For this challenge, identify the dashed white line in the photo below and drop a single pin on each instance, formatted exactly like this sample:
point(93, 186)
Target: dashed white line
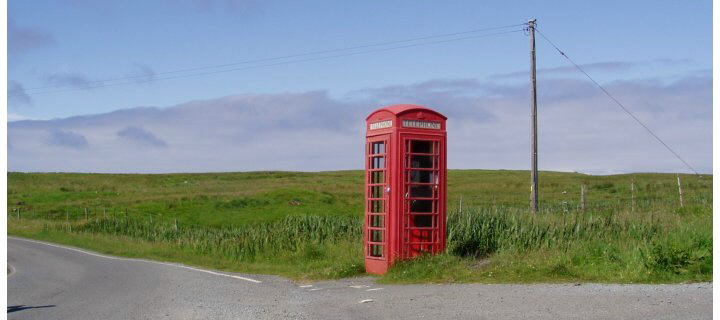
point(306, 286)
point(141, 260)
point(374, 289)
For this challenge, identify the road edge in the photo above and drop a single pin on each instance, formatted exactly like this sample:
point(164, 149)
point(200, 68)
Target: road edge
point(172, 264)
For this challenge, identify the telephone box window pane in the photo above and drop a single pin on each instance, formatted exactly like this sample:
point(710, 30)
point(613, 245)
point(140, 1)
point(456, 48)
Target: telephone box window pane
point(421, 161)
point(378, 147)
point(421, 206)
point(376, 236)
point(378, 162)
point(421, 191)
point(377, 177)
point(376, 192)
point(376, 250)
point(421, 176)
point(377, 206)
point(423, 221)
point(377, 221)
point(419, 146)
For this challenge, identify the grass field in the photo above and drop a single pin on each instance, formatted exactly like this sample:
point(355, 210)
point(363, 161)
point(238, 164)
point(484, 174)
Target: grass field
point(308, 225)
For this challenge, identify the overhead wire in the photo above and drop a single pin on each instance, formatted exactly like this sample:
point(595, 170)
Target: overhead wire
point(145, 78)
point(276, 63)
point(562, 53)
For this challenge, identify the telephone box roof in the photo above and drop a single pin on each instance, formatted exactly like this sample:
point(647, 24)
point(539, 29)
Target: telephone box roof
point(399, 109)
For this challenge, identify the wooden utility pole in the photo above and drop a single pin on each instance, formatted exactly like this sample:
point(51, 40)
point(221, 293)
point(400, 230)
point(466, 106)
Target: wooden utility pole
point(582, 198)
point(533, 107)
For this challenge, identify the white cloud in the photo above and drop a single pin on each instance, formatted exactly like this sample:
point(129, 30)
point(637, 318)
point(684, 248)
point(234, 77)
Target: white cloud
point(141, 136)
point(16, 117)
point(580, 129)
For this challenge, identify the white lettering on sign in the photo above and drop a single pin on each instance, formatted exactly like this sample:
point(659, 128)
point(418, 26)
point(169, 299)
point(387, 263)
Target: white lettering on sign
point(421, 124)
point(381, 125)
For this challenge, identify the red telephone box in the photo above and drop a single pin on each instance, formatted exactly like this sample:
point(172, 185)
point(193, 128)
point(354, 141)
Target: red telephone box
point(405, 185)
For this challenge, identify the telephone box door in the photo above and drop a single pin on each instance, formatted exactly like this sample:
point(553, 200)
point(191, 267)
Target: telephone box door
point(423, 223)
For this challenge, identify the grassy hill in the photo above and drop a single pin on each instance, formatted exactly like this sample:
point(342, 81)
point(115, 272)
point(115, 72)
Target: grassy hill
point(307, 225)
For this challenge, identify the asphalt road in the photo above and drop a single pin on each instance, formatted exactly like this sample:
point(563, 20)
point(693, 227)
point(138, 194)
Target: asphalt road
point(54, 282)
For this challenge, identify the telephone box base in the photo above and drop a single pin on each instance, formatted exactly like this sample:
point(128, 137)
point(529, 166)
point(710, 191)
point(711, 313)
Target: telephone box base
point(378, 267)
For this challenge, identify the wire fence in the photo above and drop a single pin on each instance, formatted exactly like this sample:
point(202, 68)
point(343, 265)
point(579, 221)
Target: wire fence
point(562, 202)
point(634, 196)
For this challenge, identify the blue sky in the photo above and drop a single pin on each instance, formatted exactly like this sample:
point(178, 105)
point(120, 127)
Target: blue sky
point(642, 49)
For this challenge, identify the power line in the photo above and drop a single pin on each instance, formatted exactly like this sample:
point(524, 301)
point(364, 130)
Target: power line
point(276, 63)
point(143, 78)
point(617, 102)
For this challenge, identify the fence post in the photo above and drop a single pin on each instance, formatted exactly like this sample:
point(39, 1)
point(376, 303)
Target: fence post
point(582, 198)
point(67, 216)
point(632, 195)
point(461, 199)
point(86, 215)
point(176, 224)
point(680, 190)
point(18, 212)
point(104, 213)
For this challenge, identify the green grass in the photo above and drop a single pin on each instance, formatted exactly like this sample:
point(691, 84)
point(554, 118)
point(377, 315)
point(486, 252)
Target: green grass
point(308, 225)
point(331, 258)
point(501, 246)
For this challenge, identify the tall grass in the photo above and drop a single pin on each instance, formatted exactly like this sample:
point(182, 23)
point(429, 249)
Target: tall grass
point(238, 243)
point(478, 232)
point(599, 246)
point(509, 245)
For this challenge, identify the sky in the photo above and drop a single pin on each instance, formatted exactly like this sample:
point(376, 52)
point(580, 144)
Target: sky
point(195, 86)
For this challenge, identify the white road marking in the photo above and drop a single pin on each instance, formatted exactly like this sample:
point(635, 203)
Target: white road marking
point(374, 289)
point(366, 300)
point(315, 289)
point(306, 286)
point(359, 287)
point(141, 260)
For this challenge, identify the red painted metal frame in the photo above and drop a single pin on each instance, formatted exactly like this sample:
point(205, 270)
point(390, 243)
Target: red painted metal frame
point(397, 240)
point(369, 213)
